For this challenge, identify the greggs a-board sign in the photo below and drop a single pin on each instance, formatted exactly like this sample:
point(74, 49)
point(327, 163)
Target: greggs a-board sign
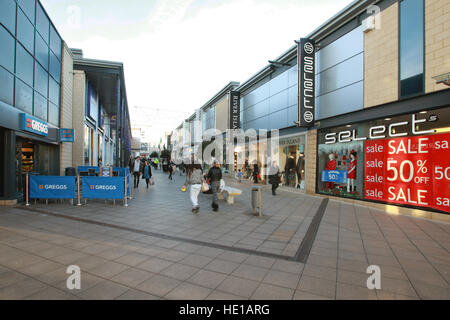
point(410, 171)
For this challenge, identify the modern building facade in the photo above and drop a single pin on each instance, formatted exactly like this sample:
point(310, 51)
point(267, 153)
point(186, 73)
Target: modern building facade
point(382, 108)
point(100, 113)
point(39, 79)
point(31, 59)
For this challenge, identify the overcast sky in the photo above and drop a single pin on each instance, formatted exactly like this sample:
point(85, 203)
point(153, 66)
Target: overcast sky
point(177, 54)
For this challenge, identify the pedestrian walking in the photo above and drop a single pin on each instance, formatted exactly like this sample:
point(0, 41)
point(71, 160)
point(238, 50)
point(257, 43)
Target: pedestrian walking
point(274, 177)
point(239, 175)
point(147, 173)
point(255, 172)
point(194, 179)
point(170, 168)
point(137, 171)
point(214, 177)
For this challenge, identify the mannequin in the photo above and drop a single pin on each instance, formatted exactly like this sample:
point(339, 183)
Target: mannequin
point(331, 165)
point(351, 173)
point(289, 169)
point(300, 169)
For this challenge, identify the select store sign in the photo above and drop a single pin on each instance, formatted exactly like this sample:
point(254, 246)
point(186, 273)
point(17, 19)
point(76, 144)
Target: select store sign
point(412, 171)
point(404, 160)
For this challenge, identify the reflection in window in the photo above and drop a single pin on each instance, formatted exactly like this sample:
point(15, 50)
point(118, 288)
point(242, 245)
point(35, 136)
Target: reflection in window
point(41, 51)
point(28, 6)
point(25, 31)
point(53, 91)
point(8, 14)
point(411, 47)
point(7, 87)
point(53, 114)
point(40, 106)
point(24, 97)
point(24, 65)
point(7, 50)
point(55, 68)
point(42, 23)
point(40, 80)
point(55, 42)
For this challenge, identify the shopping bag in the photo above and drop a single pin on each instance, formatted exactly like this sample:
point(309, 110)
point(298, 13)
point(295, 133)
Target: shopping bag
point(205, 186)
point(152, 181)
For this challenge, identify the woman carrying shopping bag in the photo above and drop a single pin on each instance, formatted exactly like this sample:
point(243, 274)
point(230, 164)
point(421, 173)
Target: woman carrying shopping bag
point(194, 178)
point(147, 175)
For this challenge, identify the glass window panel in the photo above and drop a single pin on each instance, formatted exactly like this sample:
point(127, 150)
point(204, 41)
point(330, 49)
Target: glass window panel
point(40, 106)
point(24, 65)
point(7, 87)
point(24, 97)
point(40, 80)
point(55, 67)
point(411, 47)
point(42, 23)
point(41, 51)
point(25, 31)
point(53, 114)
point(8, 15)
point(7, 50)
point(55, 42)
point(53, 91)
point(28, 6)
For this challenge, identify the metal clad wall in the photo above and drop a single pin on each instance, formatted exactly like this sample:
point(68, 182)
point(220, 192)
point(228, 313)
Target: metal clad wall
point(273, 105)
point(340, 76)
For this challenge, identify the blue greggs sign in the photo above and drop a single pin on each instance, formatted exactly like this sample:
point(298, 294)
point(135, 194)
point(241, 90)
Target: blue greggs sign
point(52, 187)
point(103, 187)
point(33, 125)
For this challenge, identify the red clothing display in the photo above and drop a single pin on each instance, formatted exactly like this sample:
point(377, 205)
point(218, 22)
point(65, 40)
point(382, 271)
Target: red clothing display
point(331, 165)
point(352, 170)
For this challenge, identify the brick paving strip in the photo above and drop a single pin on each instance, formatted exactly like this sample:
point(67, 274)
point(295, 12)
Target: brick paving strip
point(301, 248)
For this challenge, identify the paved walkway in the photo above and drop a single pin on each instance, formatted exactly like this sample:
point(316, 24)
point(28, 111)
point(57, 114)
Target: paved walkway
point(157, 249)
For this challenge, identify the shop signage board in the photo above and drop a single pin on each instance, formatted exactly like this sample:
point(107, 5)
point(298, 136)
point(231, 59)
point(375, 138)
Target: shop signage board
point(306, 77)
point(410, 171)
point(103, 187)
point(336, 176)
point(33, 125)
point(66, 135)
point(235, 110)
point(52, 187)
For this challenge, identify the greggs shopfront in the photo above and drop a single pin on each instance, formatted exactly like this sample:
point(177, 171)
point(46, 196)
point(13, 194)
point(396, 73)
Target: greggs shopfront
point(403, 160)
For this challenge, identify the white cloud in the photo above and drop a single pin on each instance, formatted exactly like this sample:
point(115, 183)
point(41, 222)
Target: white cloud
point(184, 57)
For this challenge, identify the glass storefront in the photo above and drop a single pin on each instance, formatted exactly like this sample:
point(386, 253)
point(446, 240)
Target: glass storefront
point(403, 160)
point(292, 161)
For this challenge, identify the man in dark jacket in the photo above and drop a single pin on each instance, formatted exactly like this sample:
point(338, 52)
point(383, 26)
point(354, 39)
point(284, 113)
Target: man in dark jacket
point(214, 176)
point(274, 177)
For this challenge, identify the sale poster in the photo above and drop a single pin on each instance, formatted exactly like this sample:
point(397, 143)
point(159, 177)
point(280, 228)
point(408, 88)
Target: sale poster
point(409, 170)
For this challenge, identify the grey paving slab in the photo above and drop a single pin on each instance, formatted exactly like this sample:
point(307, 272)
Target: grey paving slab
point(169, 252)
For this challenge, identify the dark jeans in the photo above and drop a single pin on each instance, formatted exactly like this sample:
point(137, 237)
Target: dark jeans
point(215, 185)
point(147, 181)
point(274, 187)
point(136, 179)
point(255, 178)
point(170, 175)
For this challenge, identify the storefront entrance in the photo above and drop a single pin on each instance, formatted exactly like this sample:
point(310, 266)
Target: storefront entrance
point(34, 157)
point(292, 161)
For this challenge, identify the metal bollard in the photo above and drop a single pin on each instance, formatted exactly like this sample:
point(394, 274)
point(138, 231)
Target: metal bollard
point(256, 200)
point(27, 203)
point(125, 204)
point(79, 191)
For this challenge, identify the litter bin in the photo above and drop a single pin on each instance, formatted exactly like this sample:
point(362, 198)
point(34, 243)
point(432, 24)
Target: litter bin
point(70, 171)
point(257, 200)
